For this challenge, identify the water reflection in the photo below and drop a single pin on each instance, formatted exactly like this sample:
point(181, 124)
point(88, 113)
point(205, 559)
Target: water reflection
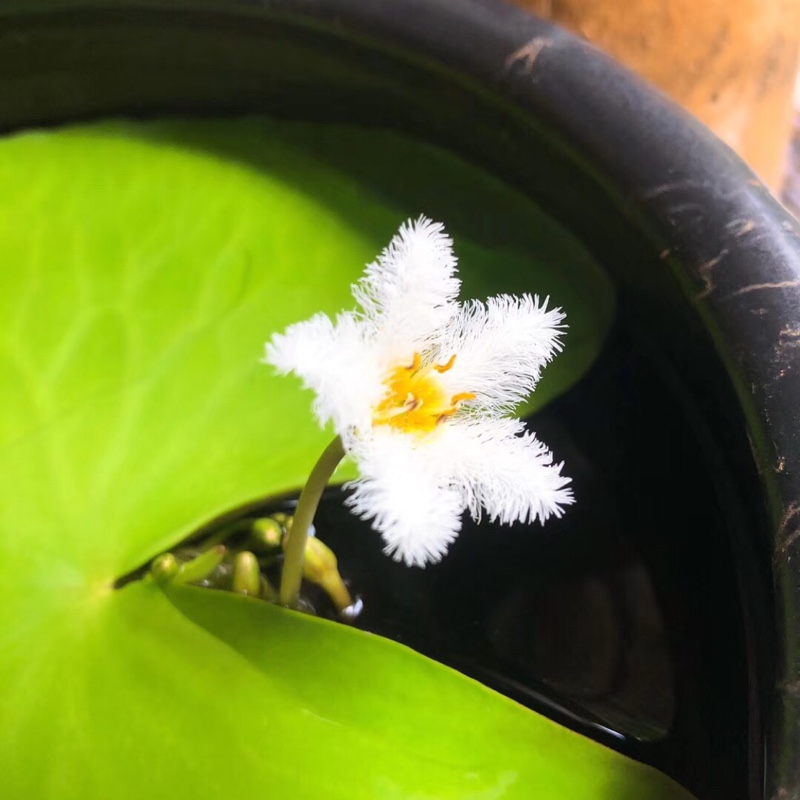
point(597, 640)
point(620, 620)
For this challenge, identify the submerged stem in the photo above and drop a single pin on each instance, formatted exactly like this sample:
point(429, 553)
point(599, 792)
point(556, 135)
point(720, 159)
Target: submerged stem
point(295, 549)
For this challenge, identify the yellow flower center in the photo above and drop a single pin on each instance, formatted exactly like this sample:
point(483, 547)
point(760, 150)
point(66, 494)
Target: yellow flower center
point(415, 401)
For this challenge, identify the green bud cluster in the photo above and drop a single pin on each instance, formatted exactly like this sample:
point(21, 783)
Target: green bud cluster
point(235, 558)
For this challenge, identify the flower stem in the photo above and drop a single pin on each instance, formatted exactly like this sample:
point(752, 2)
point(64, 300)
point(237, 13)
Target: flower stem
point(295, 548)
point(201, 566)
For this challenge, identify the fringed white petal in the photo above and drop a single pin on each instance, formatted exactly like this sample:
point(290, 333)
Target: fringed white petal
point(415, 484)
point(337, 362)
point(410, 291)
point(500, 347)
point(400, 491)
point(503, 470)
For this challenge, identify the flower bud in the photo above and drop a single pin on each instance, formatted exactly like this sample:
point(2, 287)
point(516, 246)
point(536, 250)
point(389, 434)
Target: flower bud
point(320, 567)
point(266, 533)
point(246, 574)
point(164, 568)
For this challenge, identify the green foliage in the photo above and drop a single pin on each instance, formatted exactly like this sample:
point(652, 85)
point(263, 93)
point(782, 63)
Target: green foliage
point(144, 265)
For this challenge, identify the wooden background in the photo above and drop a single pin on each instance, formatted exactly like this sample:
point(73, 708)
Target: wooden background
point(731, 62)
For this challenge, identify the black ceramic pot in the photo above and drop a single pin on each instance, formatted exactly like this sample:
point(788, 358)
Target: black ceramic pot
point(705, 261)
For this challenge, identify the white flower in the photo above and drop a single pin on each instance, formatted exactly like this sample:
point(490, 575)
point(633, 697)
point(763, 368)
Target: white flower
point(420, 389)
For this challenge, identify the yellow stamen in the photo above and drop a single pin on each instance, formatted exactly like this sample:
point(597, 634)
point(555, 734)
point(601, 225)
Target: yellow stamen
point(415, 401)
point(444, 367)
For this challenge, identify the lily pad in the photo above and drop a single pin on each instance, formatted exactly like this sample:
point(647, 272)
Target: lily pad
point(144, 266)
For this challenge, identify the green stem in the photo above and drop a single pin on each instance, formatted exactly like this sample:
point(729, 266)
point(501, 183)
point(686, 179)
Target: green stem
point(295, 549)
point(200, 567)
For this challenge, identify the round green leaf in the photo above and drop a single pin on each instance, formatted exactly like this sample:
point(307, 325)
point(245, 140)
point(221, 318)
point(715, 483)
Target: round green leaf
point(144, 267)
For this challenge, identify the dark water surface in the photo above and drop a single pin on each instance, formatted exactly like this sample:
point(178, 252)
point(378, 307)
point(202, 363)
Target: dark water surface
point(622, 619)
